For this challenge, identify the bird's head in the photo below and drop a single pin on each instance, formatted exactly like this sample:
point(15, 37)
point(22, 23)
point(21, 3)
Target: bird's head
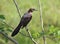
point(31, 10)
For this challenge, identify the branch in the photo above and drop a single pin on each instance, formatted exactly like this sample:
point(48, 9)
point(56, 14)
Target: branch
point(30, 36)
point(17, 8)
point(41, 19)
point(26, 27)
point(11, 39)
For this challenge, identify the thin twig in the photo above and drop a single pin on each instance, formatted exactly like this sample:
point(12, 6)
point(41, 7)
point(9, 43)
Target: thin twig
point(31, 36)
point(41, 19)
point(26, 28)
point(11, 39)
point(17, 8)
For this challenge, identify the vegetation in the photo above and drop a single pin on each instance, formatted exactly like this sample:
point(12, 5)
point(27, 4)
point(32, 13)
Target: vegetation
point(9, 19)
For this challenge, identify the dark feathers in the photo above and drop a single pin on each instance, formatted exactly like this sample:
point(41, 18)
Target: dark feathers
point(24, 21)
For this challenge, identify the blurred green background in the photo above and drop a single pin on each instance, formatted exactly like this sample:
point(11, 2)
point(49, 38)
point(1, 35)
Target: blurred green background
point(51, 18)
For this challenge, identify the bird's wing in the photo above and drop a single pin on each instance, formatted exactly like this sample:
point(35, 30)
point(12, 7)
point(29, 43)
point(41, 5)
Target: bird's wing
point(25, 20)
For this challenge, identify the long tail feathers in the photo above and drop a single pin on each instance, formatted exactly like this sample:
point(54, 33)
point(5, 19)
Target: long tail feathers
point(16, 30)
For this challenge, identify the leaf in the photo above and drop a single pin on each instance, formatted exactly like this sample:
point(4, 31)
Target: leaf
point(6, 39)
point(9, 29)
point(2, 17)
point(1, 29)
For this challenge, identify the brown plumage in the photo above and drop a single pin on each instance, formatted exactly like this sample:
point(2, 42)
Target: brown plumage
point(24, 21)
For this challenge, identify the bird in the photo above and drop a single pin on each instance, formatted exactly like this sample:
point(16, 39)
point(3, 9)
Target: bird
point(26, 18)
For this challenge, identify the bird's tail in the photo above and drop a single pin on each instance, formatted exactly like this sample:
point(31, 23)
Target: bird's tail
point(16, 30)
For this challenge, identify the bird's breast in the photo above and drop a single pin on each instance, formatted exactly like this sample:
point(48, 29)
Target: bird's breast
point(27, 15)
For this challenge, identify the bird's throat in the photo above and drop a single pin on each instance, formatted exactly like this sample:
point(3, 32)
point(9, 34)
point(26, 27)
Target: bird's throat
point(30, 13)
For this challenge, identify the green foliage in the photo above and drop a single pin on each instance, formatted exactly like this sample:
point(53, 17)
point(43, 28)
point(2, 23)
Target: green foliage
point(2, 41)
point(2, 17)
point(4, 28)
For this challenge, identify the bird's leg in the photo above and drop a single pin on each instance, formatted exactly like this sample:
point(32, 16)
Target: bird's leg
point(26, 28)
